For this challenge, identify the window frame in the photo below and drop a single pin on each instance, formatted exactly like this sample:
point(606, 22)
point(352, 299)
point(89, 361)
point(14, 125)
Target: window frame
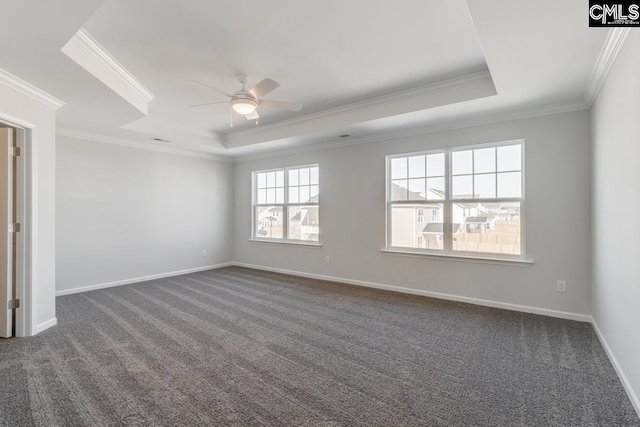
point(448, 201)
point(284, 206)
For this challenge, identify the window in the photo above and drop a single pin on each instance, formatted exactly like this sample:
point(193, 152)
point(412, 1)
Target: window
point(475, 195)
point(285, 204)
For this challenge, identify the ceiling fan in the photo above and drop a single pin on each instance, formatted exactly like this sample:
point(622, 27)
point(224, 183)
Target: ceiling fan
point(246, 102)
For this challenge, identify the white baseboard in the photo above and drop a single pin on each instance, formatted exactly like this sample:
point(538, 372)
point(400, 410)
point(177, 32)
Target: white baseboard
point(487, 303)
point(449, 297)
point(623, 378)
point(45, 325)
point(139, 279)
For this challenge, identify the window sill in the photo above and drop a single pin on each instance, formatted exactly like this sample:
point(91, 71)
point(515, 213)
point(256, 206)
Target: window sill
point(286, 243)
point(463, 258)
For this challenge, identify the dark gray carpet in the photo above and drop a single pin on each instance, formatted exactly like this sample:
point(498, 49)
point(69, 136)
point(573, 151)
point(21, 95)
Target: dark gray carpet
point(238, 347)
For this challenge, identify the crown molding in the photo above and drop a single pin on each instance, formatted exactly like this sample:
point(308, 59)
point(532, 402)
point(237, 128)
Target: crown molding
point(524, 113)
point(85, 51)
point(610, 50)
point(28, 89)
point(71, 133)
point(94, 48)
point(332, 143)
point(479, 79)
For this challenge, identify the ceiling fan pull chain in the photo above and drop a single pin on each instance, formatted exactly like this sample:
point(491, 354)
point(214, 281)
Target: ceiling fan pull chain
point(231, 117)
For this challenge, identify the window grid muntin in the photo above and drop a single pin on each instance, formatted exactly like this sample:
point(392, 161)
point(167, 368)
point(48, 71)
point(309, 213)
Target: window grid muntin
point(495, 171)
point(426, 177)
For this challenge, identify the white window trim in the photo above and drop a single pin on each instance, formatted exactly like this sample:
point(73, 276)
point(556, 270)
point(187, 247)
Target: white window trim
point(285, 219)
point(447, 252)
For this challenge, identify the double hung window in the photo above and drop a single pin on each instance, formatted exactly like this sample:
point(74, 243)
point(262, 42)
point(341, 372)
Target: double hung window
point(286, 204)
point(472, 199)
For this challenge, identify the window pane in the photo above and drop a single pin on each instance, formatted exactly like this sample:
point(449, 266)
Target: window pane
point(271, 195)
point(399, 189)
point(293, 177)
point(462, 162)
point(315, 179)
point(484, 186)
point(416, 189)
point(262, 180)
point(304, 223)
point(510, 158)
point(399, 168)
point(304, 194)
point(487, 228)
point(304, 176)
point(510, 184)
point(271, 179)
point(269, 222)
point(262, 196)
point(484, 160)
point(280, 179)
point(462, 187)
point(280, 195)
point(408, 232)
point(293, 195)
point(416, 167)
point(315, 190)
point(435, 188)
point(435, 164)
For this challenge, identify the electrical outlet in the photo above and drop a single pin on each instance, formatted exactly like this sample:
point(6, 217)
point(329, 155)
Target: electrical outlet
point(562, 286)
point(204, 252)
point(326, 260)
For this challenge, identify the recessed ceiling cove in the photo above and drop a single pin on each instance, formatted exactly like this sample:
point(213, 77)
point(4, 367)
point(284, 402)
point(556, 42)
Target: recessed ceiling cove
point(325, 55)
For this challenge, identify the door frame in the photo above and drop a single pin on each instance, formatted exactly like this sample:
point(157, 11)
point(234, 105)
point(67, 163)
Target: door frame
point(25, 238)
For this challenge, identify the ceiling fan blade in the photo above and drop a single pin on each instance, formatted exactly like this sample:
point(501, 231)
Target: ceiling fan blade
point(208, 104)
point(263, 88)
point(252, 116)
point(282, 105)
point(215, 89)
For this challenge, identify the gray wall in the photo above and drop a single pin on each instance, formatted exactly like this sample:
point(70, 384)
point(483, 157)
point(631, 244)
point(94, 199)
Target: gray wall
point(616, 204)
point(352, 203)
point(124, 213)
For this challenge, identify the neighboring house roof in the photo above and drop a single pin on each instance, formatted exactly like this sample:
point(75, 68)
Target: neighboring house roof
point(439, 194)
point(477, 220)
point(269, 218)
point(298, 217)
point(436, 228)
point(399, 193)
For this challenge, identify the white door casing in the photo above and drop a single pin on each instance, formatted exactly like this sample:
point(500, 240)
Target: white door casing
point(6, 239)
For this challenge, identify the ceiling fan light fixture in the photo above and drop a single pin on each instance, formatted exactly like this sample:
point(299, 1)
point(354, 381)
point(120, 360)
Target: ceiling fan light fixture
point(244, 106)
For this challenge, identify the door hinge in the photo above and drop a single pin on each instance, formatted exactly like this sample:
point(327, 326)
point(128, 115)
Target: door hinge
point(14, 151)
point(14, 227)
point(13, 303)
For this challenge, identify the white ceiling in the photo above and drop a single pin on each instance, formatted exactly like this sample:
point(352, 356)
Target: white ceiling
point(353, 64)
